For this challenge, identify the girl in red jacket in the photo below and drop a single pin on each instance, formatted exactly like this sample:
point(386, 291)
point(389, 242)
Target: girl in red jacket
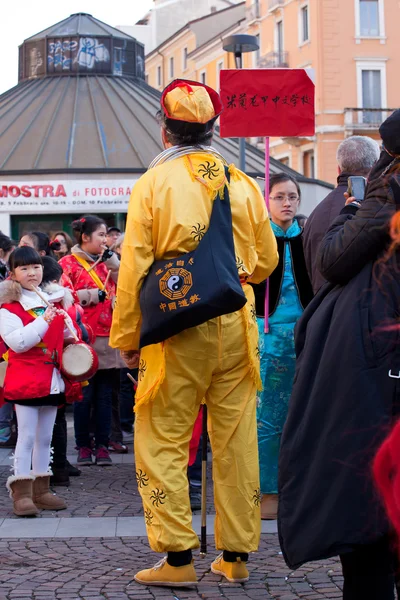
point(95, 285)
point(35, 337)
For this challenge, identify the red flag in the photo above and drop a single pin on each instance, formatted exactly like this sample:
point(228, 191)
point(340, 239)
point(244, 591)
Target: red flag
point(267, 102)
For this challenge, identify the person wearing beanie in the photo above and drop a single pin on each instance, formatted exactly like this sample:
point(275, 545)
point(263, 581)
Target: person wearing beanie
point(171, 209)
point(390, 133)
point(346, 396)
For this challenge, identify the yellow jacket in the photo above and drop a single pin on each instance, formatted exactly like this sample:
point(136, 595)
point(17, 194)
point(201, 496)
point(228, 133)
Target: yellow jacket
point(168, 213)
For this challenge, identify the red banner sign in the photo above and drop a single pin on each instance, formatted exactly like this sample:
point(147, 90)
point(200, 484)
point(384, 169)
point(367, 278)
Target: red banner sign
point(267, 102)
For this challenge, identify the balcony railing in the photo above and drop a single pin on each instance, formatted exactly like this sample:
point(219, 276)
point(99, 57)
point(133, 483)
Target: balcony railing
point(274, 60)
point(272, 4)
point(365, 119)
point(253, 12)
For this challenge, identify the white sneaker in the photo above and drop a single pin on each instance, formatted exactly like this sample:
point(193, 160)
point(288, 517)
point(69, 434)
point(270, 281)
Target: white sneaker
point(127, 437)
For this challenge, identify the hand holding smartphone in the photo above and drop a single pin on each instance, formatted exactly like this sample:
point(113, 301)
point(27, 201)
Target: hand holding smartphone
point(356, 187)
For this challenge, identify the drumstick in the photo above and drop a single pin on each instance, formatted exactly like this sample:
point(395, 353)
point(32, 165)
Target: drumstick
point(99, 259)
point(48, 304)
point(106, 281)
point(132, 379)
point(95, 264)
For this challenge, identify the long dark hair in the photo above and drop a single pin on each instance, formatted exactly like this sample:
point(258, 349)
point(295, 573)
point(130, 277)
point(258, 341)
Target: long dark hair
point(21, 257)
point(6, 243)
point(41, 242)
point(86, 225)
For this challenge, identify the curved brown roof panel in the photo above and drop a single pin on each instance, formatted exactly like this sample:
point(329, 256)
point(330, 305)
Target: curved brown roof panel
point(84, 122)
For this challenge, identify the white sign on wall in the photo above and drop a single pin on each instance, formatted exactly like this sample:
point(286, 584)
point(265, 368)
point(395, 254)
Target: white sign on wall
point(64, 196)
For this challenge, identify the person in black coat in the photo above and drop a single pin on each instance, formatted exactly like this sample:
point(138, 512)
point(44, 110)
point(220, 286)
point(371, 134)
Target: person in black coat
point(345, 397)
point(356, 155)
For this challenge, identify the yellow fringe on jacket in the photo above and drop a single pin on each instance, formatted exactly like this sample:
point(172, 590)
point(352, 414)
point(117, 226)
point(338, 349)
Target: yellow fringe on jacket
point(151, 374)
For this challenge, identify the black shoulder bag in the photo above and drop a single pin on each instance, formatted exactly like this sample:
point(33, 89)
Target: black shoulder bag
point(195, 287)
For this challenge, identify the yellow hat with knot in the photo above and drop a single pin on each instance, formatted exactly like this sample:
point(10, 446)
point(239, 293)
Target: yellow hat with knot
point(190, 101)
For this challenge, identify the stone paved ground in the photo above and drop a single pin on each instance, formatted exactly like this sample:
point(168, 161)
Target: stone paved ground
point(98, 492)
point(103, 569)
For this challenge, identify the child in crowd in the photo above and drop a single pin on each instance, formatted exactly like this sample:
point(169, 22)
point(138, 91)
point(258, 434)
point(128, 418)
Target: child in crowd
point(6, 247)
point(35, 338)
point(63, 297)
point(93, 271)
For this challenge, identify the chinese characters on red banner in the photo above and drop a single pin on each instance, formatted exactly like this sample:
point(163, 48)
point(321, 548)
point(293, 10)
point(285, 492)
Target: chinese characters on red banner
point(267, 102)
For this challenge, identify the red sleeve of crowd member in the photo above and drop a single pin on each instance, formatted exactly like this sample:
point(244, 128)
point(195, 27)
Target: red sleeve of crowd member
point(73, 391)
point(196, 435)
point(67, 283)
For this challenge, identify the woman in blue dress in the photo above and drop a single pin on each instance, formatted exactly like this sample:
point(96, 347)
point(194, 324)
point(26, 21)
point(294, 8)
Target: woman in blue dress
point(289, 293)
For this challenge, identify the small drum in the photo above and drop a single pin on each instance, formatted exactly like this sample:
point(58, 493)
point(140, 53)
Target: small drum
point(79, 362)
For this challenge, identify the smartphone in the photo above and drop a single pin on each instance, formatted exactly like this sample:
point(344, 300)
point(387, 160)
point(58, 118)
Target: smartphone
point(356, 187)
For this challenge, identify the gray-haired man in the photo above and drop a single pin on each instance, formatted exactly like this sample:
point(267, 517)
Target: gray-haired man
point(355, 156)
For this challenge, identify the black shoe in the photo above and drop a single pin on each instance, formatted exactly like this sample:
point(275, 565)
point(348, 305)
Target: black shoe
point(60, 478)
point(195, 498)
point(73, 471)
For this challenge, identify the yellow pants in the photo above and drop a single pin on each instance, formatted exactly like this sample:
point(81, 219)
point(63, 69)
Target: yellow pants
point(210, 361)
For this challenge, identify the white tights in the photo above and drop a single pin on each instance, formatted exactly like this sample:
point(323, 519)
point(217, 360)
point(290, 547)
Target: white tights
point(35, 430)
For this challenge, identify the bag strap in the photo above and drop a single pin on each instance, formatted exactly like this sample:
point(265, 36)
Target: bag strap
point(221, 211)
point(84, 263)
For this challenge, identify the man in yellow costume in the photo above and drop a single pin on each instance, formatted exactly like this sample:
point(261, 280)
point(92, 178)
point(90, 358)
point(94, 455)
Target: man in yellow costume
point(217, 361)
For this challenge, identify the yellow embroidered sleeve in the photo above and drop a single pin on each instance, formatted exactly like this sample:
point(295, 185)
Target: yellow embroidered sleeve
point(137, 258)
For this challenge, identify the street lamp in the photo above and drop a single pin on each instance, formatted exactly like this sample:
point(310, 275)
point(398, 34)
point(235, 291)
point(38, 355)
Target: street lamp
point(238, 44)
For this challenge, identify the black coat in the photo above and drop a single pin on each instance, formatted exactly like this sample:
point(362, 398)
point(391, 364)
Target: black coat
point(300, 275)
point(344, 393)
point(318, 224)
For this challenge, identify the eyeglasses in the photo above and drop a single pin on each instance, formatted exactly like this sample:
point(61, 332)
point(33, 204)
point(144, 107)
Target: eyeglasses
point(293, 198)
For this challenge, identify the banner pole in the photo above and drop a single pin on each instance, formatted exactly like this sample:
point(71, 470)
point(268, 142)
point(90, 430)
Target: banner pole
point(203, 534)
point(266, 302)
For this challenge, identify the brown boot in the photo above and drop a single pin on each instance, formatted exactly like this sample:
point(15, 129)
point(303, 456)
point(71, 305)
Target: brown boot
point(42, 496)
point(269, 507)
point(20, 489)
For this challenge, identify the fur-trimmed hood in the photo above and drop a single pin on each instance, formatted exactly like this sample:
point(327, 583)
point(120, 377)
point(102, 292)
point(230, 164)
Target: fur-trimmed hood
point(11, 291)
point(58, 293)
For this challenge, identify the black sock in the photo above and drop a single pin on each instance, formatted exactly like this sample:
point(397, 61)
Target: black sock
point(179, 559)
point(232, 556)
